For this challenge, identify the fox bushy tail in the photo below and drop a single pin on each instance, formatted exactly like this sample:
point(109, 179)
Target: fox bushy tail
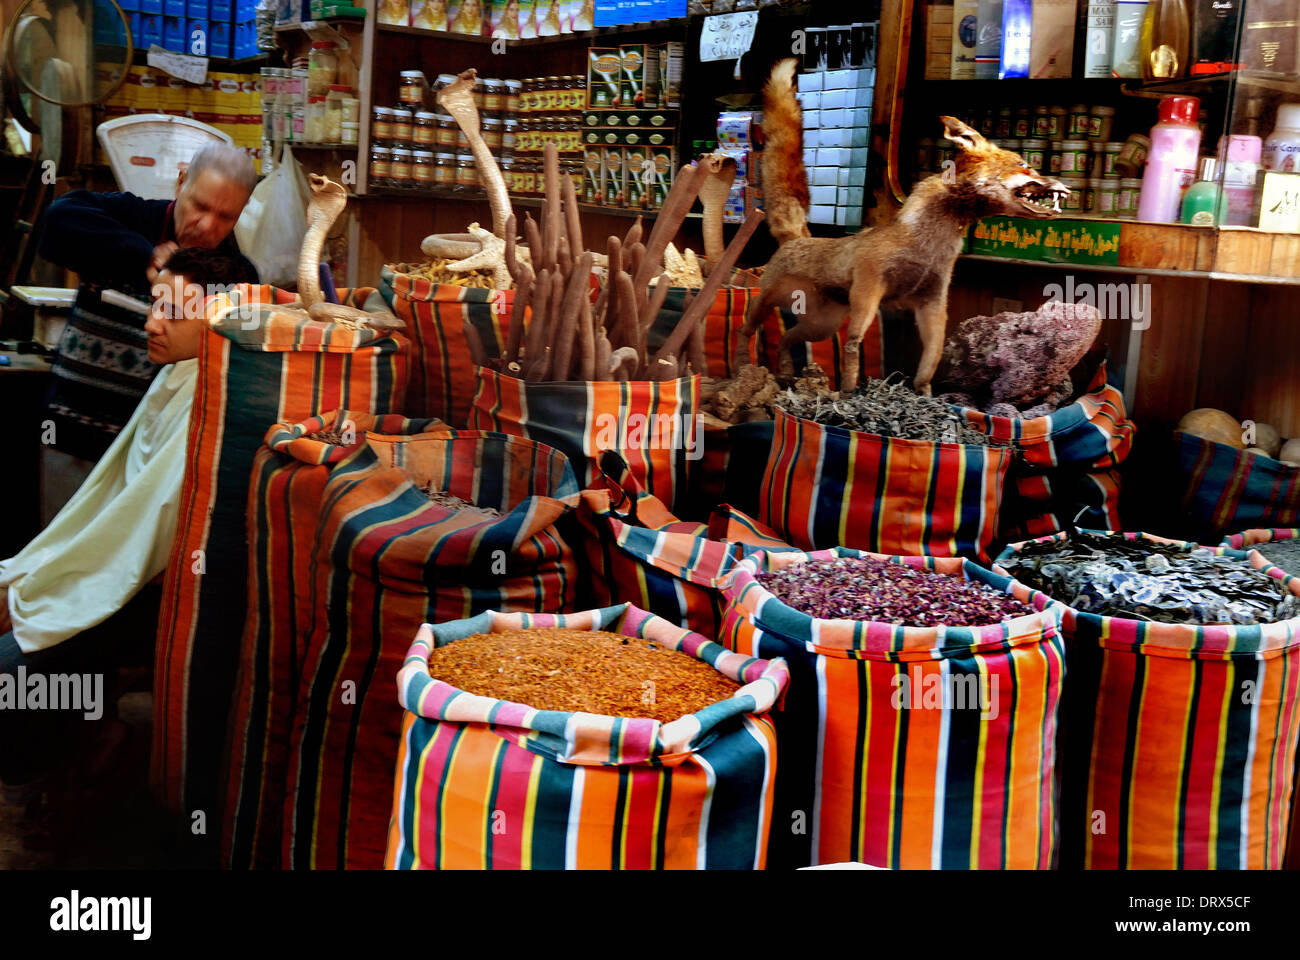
point(785, 181)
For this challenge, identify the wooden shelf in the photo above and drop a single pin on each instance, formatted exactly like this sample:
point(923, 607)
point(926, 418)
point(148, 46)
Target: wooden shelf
point(1236, 254)
point(650, 27)
point(480, 196)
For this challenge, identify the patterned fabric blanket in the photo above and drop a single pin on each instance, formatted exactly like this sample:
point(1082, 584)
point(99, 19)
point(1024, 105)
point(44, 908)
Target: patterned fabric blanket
point(101, 371)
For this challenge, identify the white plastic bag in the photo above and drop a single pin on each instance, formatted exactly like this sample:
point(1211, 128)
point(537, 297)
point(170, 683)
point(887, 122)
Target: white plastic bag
point(271, 230)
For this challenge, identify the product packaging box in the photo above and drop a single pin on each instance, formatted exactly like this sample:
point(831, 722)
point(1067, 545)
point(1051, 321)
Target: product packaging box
point(196, 9)
point(632, 62)
point(198, 35)
point(173, 35)
point(1051, 44)
point(593, 180)
point(665, 167)
point(1270, 36)
point(988, 41)
point(604, 68)
point(1214, 35)
point(1125, 55)
point(965, 34)
point(638, 177)
point(1099, 36)
point(1017, 23)
point(938, 40)
point(671, 57)
point(222, 10)
point(397, 12)
point(219, 39)
point(546, 13)
point(173, 8)
point(584, 15)
point(612, 175)
point(429, 14)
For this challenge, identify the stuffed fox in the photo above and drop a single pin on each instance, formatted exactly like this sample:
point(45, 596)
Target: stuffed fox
point(905, 263)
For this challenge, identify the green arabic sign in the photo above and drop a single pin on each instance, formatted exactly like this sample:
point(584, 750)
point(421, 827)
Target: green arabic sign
point(1054, 241)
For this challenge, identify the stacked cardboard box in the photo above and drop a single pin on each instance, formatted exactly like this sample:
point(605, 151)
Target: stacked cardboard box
point(837, 123)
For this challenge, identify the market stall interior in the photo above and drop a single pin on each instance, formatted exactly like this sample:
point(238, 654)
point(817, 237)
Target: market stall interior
point(749, 415)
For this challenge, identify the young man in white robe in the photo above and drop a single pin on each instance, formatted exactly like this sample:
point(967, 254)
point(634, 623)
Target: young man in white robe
point(115, 534)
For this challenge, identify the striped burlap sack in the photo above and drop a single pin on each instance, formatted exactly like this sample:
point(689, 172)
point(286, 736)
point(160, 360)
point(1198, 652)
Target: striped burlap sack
point(636, 551)
point(489, 784)
point(721, 326)
point(284, 500)
point(826, 486)
point(902, 746)
point(257, 366)
point(390, 555)
point(1226, 489)
point(1178, 741)
point(652, 425)
point(442, 378)
point(1066, 464)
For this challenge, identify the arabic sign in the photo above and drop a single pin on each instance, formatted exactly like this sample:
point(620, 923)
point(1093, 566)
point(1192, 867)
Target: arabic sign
point(727, 36)
point(1054, 241)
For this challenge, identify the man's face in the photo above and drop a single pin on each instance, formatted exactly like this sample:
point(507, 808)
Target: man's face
point(207, 209)
point(176, 324)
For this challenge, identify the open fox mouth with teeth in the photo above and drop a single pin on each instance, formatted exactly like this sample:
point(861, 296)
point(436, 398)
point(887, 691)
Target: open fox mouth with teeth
point(1041, 197)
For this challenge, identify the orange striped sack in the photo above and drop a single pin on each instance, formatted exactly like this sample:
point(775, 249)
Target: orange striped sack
point(1179, 741)
point(1226, 488)
point(721, 326)
point(391, 554)
point(442, 374)
point(489, 784)
point(908, 747)
point(284, 499)
point(826, 486)
point(257, 366)
point(1066, 463)
point(826, 353)
point(652, 425)
point(636, 551)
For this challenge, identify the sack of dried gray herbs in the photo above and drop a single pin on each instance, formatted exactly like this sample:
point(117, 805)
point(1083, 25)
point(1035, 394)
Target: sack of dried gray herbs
point(1110, 575)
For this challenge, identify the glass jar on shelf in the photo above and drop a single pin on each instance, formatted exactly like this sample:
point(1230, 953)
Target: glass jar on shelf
point(466, 172)
point(444, 172)
point(381, 125)
point(334, 112)
point(400, 170)
point(402, 124)
point(381, 166)
point(322, 68)
point(411, 89)
point(422, 169)
point(315, 126)
point(425, 129)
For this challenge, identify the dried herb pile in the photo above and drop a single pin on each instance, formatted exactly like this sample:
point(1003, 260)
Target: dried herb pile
point(1140, 580)
point(885, 408)
point(443, 499)
point(861, 588)
point(1282, 553)
point(581, 671)
point(330, 436)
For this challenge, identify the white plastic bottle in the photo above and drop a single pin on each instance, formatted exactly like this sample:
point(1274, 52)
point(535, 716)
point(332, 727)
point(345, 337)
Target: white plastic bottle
point(1282, 148)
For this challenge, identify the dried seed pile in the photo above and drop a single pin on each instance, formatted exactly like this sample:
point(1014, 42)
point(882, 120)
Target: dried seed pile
point(581, 671)
point(330, 436)
point(1282, 553)
point(860, 588)
point(443, 499)
point(436, 271)
point(1140, 580)
point(888, 409)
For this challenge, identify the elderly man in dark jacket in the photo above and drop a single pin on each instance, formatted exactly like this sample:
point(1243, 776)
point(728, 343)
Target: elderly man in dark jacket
point(120, 241)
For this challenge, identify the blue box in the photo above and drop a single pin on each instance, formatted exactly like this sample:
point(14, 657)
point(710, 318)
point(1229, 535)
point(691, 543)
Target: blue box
point(150, 30)
point(219, 39)
point(151, 6)
point(246, 10)
point(220, 10)
point(134, 19)
point(245, 40)
point(128, 5)
point(196, 9)
point(173, 35)
point(173, 8)
point(197, 37)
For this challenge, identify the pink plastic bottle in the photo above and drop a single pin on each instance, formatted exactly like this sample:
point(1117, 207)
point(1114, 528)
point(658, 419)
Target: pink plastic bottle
point(1171, 164)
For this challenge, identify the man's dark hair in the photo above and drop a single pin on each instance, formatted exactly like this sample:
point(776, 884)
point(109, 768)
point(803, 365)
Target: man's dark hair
point(206, 267)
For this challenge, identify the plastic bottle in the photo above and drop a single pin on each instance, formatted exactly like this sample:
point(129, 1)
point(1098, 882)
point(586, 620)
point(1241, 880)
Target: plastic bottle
point(1171, 165)
point(1166, 40)
point(1204, 204)
point(1282, 148)
point(1239, 156)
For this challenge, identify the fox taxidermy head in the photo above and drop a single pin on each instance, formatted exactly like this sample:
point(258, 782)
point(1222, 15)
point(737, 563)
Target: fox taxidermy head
point(985, 180)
